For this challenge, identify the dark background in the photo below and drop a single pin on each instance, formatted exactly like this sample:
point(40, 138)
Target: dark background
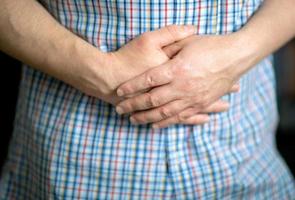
point(284, 65)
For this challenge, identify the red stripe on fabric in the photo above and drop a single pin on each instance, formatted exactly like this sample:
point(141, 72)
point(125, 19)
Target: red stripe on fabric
point(166, 12)
point(71, 15)
point(131, 18)
point(63, 113)
point(191, 160)
point(149, 162)
point(116, 157)
point(165, 9)
point(226, 15)
point(100, 23)
point(38, 114)
point(120, 194)
point(199, 16)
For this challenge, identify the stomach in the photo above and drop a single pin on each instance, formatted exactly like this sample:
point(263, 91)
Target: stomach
point(109, 24)
point(64, 118)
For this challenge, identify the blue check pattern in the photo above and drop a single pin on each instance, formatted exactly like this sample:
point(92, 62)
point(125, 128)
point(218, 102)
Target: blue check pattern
point(67, 145)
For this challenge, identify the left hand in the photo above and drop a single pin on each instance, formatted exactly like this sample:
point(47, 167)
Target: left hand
point(203, 69)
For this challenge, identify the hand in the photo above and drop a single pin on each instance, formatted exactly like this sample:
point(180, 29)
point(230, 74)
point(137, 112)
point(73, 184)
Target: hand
point(195, 116)
point(204, 69)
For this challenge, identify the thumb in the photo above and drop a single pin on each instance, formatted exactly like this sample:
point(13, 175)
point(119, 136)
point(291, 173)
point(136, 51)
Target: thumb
point(170, 34)
point(172, 49)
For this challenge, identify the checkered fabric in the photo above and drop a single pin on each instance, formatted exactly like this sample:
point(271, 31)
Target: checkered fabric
point(67, 145)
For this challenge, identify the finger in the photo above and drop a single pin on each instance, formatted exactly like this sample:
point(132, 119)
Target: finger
point(170, 34)
point(218, 106)
point(137, 93)
point(235, 88)
point(154, 115)
point(154, 98)
point(172, 49)
point(194, 120)
point(197, 119)
point(151, 78)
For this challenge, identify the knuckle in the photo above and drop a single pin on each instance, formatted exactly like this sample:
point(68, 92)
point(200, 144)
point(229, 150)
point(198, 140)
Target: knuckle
point(152, 101)
point(203, 104)
point(148, 101)
point(135, 118)
point(195, 107)
point(144, 39)
point(149, 80)
point(165, 112)
point(127, 106)
point(138, 119)
point(180, 118)
point(127, 88)
point(201, 101)
point(189, 112)
point(168, 74)
point(179, 65)
point(148, 117)
point(145, 118)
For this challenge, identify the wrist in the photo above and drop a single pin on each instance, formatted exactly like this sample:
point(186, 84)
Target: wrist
point(89, 69)
point(98, 65)
point(247, 52)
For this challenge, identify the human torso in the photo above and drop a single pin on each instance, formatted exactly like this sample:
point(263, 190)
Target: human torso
point(83, 147)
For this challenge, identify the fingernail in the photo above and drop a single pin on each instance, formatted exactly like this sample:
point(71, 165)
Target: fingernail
point(206, 118)
point(226, 105)
point(192, 28)
point(119, 110)
point(133, 121)
point(120, 92)
point(189, 27)
point(155, 126)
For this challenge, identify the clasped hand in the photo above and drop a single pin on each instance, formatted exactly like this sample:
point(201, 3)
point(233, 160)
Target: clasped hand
point(185, 84)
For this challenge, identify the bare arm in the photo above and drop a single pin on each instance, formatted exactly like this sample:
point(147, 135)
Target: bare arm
point(270, 28)
point(29, 33)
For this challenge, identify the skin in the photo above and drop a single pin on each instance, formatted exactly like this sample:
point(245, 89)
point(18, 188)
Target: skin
point(192, 80)
point(29, 33)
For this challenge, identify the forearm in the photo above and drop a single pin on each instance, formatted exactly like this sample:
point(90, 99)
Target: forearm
point(29, 33)
point(270, 28)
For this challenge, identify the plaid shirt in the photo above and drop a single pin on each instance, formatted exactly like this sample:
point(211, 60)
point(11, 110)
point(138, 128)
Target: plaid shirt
point(67, 145)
